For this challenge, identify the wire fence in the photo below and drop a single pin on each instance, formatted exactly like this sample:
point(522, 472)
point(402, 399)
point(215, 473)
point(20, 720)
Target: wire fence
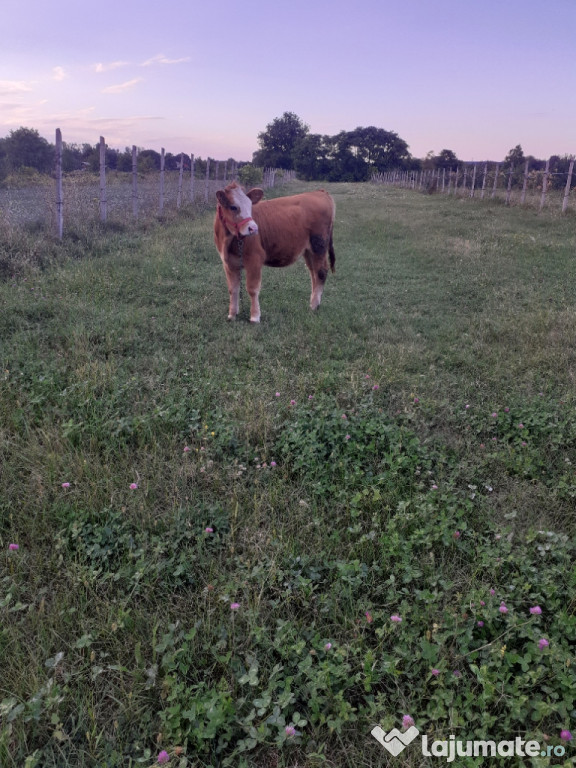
point(541, 188)
point(71, 200)
point(38, 206)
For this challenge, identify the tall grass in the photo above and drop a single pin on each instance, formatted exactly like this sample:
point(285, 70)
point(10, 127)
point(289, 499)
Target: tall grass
point(216, 522)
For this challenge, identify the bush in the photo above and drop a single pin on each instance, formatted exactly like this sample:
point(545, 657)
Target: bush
point(25, 177)
point(250, 176)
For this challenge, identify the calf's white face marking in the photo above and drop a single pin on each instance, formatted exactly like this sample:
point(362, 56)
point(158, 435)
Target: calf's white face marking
point(240, 206)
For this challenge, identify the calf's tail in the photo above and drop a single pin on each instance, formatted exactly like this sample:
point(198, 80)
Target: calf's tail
point(332, 254)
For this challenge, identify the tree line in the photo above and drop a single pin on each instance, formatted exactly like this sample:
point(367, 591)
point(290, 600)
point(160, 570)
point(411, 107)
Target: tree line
point(25, 150)
point(359, 154)
point(348, 156)
point(286, 143)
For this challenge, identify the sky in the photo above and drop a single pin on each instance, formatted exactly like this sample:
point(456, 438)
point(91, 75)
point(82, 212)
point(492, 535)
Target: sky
point(206, 77)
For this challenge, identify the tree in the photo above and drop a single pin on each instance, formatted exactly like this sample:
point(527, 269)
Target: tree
point(148, 160)
point(559, 171)
point(25, 147)
point(124, 162)
point(515, 157)
point(516, 160)
point(3, 159)
point(91, 157)
point(427, 164)
point(311, 157)
point(356, 155)
point(71, 157)
point(347, 164)
point(379, 149)
point(171, 162)
point(278, 141)
point(446, 159)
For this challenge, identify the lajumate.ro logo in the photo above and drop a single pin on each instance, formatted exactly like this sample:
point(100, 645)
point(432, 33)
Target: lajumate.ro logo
point(396, 741)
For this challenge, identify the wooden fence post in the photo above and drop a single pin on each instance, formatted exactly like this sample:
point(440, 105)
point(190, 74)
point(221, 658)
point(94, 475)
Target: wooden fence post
point(509, 187)
point(207, 179)
point(162, 166)
point(192, 178)
point(134, 181)
point(496, 172)
point(464, 179)
point(525, 183)
point(484, 176)
point(59, 194)
point(545, 184)
point(568, 185)
point(103, 200)
point(180, 179)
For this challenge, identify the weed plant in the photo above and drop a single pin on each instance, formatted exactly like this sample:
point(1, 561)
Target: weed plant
point(235, 545)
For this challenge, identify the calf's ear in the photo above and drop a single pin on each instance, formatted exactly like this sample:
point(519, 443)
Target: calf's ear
point(256, 195)
point(222, 199)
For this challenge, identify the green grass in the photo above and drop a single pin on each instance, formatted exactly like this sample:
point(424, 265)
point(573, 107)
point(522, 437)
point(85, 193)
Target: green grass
point(377, 482)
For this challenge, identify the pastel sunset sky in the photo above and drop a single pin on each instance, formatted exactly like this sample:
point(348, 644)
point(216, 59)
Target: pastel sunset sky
point(476, 77)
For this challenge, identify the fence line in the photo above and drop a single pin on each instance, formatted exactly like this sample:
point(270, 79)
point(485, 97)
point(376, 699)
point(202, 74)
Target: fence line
point(59, 190)
point(180, 180)
point(134, 182)
point(103, 198)
point(212, 182)
point(162, 178)
point(513, 185)
point(568, 186)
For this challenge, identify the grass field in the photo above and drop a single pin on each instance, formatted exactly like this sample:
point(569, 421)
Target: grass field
point(248, 545)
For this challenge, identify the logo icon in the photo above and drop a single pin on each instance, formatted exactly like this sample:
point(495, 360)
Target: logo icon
point(395, 741)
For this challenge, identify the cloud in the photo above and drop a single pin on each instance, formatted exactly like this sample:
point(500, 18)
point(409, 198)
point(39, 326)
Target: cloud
point(13, 87)
point(161, 59)
point(59, 73)
point(14, 115)
point(118, 132)
point(121, 87)
point(101, 67)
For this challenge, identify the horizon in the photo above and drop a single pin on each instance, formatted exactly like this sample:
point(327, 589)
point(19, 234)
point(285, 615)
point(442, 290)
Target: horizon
point(249, 160)
point(207, 81)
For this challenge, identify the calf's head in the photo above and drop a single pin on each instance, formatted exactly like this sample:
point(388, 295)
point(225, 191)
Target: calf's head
point(235, 209)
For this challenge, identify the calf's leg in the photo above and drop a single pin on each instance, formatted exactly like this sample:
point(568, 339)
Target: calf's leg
point(233, 280)
point(318, 267)
point(253, 283)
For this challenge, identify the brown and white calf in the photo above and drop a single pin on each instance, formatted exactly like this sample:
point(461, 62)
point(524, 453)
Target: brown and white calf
point(251, 233)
